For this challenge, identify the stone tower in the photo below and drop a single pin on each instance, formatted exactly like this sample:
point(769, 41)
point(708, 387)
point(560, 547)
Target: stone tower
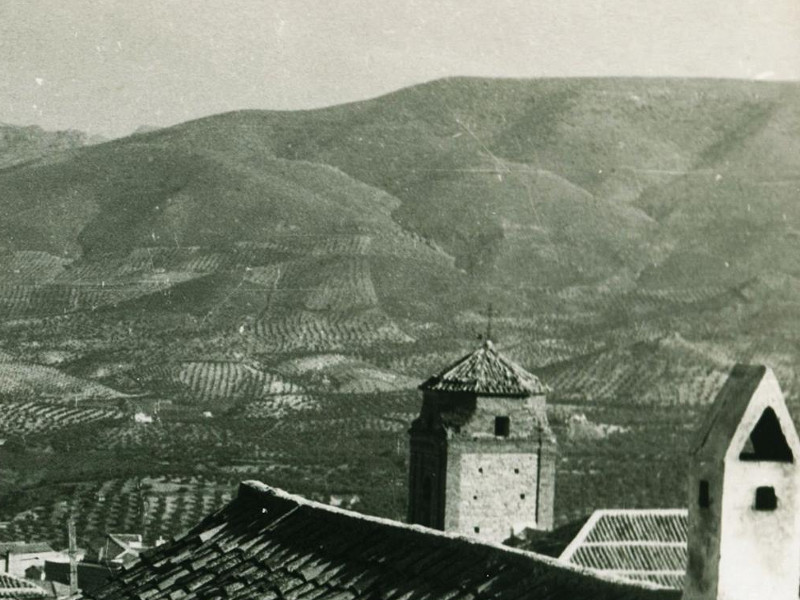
point(482, 453)
point(744, 531)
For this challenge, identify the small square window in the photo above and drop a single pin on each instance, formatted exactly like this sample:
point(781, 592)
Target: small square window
point(474, 497)
point(502, 426)
point(516, 471)
point(477, 529)
point(703, 496)
point(766, 498)
point(522, 496)
point(480, 469)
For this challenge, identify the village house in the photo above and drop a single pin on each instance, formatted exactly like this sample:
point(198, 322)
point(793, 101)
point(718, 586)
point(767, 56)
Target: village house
point(119, 548)
point(17, 557)
point(90, 575)
point(105, 555)
point(742, 537)
point(142, 418)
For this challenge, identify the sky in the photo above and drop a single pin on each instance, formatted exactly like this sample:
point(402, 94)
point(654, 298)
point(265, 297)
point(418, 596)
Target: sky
point(110, 66)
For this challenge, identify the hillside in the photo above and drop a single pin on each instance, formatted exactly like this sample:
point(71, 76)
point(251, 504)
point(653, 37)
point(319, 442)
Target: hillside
point(269, 286)
point(499, 173)
point(19, 144)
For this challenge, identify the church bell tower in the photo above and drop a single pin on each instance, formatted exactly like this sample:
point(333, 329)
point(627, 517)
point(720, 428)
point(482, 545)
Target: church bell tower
point(744, 496)
point(482, 453)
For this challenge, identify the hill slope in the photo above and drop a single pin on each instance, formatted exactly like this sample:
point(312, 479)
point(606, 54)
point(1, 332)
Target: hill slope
point(19, 144)
point(560, 181)
point(269, 286)
point(300, 231)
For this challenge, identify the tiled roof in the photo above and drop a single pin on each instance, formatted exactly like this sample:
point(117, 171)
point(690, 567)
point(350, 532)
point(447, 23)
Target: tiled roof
point(485, 372)
point(267, 544)
point(639, 545)
point(15, 587)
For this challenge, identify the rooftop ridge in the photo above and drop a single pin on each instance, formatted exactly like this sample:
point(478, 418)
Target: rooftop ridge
point(641, 511)
point(730, 401)
point(254, 489)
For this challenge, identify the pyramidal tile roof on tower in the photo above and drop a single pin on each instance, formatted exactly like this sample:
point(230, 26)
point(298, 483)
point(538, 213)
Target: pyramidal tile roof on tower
point(485, 372)
point(270, 544)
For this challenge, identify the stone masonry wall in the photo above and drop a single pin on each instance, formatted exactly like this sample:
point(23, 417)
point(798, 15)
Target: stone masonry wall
point(492, 487)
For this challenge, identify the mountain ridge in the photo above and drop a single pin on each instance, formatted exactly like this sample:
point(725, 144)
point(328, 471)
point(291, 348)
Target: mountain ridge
point(265, 132)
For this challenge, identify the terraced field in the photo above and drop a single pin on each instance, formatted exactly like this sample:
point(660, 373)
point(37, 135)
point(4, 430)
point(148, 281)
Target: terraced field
point(305, 244)
point(38, 284)
point(33, 300)
point(173, 439)
point(229, 381)
point(339, 373)
point(347, 285)
point(24, 418)
point(307, 331)
point(31, 381)
point(646, 373)
point(30, 267)
point(279, 406)
point(266, 276)
point(187, 259)
point(156, 507)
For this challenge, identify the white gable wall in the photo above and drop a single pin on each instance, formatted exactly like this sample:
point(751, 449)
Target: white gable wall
point(760, 550)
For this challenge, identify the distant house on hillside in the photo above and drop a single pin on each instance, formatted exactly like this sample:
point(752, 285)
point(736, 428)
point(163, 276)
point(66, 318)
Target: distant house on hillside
point(142, 417)
point(118, 548)
point(16, 557)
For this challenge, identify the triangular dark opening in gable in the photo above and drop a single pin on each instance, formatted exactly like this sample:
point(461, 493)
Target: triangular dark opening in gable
point(767, 441)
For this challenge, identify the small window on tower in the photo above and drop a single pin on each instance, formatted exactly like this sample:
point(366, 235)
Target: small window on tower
point(766, 498)
point(502, 426)
point(703, 497)
point(477, 529)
